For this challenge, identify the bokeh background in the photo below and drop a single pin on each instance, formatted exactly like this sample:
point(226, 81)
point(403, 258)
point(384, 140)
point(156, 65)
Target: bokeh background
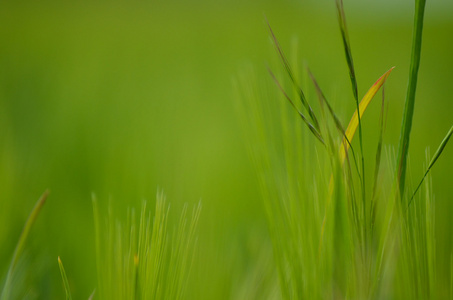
point(124, 98)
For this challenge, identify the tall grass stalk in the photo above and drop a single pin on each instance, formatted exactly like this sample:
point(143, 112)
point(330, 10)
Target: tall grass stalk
point(406, 126)
point(352, 76)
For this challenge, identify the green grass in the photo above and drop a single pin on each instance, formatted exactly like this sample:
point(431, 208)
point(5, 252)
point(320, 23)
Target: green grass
point(148, 259)
point(371, 245)
point(121, 99)
point(406, 126)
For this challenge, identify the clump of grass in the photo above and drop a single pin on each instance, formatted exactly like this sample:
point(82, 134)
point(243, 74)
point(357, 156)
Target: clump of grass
point(147, 260)
point(332, 238)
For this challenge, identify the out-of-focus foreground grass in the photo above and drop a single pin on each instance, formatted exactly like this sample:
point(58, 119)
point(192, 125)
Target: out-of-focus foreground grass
point(122, 99)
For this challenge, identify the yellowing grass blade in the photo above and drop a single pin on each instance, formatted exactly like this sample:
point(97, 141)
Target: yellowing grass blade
point(349, 134)
point(352, 127)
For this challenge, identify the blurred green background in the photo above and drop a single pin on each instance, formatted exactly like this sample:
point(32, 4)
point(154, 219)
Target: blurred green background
point(122, 99)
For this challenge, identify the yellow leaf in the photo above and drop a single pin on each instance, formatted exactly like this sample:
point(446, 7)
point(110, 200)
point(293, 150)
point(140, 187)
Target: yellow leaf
point(349, 134)
point(354, 123)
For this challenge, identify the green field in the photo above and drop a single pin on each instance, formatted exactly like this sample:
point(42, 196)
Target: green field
point(125, 100)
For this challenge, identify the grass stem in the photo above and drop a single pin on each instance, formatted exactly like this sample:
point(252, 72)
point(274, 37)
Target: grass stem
point(406, 126)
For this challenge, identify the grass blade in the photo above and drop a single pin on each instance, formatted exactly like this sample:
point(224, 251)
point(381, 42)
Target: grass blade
point(21, 243)
point(352, 127)
point(347, 47)
point(337, 121)
point(433, 161)
point(315, 131)
point(350, 62)
point(406, 125)
point(323, 100)
point(354, 123)
point(65, 280)
point(293, 80)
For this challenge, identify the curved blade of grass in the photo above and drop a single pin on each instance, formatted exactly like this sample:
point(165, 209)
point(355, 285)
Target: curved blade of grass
point(349, 134)
point(406, 125)
point(316, 133)
point(293, 80)
point(21, 243)
point(354, 123)
point(433, 161)
point(65, 280)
